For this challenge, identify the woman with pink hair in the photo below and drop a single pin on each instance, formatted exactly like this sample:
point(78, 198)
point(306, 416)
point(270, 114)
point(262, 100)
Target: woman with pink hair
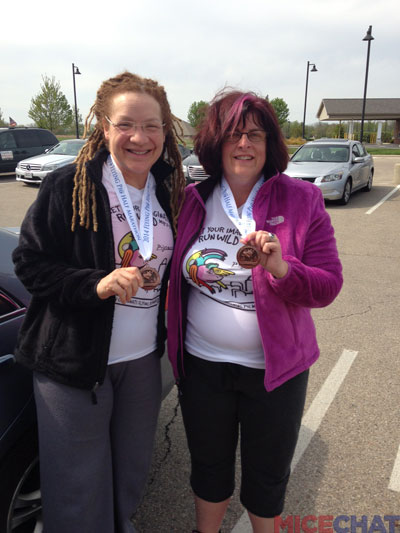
point(241, 348)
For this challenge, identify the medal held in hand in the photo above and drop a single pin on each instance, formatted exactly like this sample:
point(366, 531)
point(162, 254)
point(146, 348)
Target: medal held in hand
point(247, 256)
point(151, 278)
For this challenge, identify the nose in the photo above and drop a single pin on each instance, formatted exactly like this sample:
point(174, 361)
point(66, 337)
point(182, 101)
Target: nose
point(244, 140)
point(138, 135)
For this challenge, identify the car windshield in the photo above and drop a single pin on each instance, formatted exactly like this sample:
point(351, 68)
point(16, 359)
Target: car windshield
point(184, 150)
point(66, 148)
point(319, 153)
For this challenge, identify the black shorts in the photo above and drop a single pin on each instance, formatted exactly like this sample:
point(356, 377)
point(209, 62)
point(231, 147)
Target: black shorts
point(218, 400)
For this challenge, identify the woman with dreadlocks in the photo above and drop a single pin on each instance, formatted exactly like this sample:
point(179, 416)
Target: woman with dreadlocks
point(94, 252)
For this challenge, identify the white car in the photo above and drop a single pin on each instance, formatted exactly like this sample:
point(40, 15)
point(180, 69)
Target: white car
point(193, 170)
point(337, 166)
point(34, 169)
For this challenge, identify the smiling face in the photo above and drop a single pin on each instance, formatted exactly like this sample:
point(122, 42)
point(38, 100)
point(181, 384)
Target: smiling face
point(244, 161)
point(134, 154)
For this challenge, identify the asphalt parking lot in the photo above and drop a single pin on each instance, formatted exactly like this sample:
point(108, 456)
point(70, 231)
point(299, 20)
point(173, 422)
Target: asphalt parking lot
point(348, 459)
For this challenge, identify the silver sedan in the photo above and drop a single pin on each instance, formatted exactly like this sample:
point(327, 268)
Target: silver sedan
point(337, 166)
point(35, 169)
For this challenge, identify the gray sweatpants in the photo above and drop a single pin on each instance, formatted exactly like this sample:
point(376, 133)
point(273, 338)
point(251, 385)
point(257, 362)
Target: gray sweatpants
point(94, 459)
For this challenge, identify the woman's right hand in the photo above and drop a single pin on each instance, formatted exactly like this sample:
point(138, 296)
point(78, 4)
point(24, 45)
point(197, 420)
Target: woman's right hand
point(121, 282)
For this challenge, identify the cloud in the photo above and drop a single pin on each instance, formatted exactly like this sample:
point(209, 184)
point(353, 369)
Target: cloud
point(194, 49)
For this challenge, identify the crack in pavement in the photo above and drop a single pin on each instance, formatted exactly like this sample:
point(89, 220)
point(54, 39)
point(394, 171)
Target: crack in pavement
point(168, 444)
point(369, 255)
point(368, 310)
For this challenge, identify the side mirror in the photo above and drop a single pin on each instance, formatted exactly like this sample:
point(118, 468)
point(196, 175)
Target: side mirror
point(358, 160)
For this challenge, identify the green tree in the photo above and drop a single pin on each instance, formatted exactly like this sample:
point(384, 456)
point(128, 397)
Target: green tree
point(72, 128)
point(295, 129)
point(2, 121)
point(197, 112)
point(281, 109)
point(50, 108)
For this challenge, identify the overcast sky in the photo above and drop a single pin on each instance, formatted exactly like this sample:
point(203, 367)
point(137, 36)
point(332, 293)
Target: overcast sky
point(196, 48)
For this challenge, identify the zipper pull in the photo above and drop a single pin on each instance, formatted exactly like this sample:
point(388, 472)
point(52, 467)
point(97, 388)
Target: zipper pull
point(93, 393)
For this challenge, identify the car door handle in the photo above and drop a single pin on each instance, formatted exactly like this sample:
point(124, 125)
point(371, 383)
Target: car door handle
point(7, 360)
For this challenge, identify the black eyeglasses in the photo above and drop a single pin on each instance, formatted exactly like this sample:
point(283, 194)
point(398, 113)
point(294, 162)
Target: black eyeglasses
point(254, 136)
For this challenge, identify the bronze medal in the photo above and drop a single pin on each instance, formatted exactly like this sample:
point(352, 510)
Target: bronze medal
point(151, 278)
point(248, 256)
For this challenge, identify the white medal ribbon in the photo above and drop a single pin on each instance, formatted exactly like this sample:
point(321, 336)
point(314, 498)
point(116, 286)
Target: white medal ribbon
point(245, 224)
point(142, 232)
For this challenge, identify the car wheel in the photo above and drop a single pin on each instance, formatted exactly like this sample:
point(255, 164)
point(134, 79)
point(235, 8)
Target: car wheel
point(346, 193)
point(368, 187)
point(20, 503)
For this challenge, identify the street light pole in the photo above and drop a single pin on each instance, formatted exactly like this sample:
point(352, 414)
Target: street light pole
point(314, 69)
point(368, 38)
point(75, 70)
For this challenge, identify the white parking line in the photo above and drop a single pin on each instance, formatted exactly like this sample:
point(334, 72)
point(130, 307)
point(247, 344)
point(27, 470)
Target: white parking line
point(313, 418)
point(394, 483)
point(382, 201)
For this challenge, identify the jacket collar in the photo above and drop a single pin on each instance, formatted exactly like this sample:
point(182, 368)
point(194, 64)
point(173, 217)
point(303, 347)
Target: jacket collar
point(205, 188)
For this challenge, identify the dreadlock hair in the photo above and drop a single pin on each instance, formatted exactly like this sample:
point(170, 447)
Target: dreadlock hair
point(83, 195)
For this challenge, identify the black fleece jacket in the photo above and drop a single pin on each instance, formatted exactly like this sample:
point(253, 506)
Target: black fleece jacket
point(67, 329)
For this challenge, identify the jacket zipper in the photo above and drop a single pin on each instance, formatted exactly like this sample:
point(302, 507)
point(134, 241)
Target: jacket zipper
point(181, 369)
point(93, 393)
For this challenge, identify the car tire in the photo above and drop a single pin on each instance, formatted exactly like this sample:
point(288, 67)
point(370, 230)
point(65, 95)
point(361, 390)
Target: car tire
point(368, 187)
point(20, 503)
point(344, 200)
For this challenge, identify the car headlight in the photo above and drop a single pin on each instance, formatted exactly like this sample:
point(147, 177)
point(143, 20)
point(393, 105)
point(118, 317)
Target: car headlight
point(50, 167)
point(184, 167)
point(332, 177)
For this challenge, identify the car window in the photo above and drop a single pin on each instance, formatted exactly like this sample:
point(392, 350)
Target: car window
point(339, 154)
point(7, 141)
point(7, 306)
point(184, 150)
point(362, 150)
point(46, 138)
point(66, 148)
point(27, 138)
point(321, 154)
point(355, 151)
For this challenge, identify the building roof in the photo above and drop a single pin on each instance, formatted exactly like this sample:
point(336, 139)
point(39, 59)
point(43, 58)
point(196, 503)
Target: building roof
point(188, 130)
point(351, 109)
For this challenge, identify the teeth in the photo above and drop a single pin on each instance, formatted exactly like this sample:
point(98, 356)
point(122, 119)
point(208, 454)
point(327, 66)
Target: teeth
point(244, 157)
point(138, 153)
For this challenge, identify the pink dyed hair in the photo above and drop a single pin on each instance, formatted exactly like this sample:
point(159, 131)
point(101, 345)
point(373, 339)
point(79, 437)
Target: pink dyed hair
point(226, 112)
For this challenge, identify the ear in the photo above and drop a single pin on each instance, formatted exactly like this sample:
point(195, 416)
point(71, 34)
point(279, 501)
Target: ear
point(106, 129)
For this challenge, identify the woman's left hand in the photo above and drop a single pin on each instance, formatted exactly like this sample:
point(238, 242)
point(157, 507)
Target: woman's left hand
point(270, 250)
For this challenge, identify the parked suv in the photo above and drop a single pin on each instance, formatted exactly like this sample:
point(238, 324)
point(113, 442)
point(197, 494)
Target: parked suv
point(19, 143)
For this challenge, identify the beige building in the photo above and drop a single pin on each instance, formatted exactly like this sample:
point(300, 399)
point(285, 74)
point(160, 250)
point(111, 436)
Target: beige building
point(350, 109)
point(188, 132)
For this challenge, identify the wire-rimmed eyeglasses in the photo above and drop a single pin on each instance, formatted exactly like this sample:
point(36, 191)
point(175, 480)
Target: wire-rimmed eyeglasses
point(254, 136)
point(152, 127)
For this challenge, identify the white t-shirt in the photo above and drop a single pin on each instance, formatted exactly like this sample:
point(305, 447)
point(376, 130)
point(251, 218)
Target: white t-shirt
point(135, 323)
point(222, 323)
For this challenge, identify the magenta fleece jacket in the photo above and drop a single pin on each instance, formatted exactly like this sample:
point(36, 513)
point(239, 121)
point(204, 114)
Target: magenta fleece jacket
point(294, 210)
